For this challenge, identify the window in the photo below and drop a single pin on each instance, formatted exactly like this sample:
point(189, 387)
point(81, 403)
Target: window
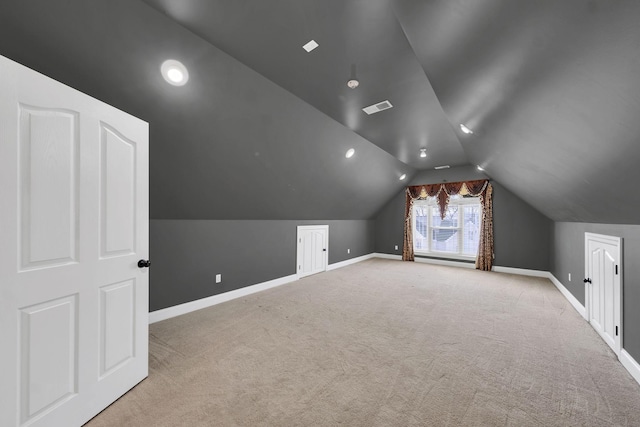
point(455, 236)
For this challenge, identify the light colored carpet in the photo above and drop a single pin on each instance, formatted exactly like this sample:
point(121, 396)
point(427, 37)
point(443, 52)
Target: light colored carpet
point(383, 343)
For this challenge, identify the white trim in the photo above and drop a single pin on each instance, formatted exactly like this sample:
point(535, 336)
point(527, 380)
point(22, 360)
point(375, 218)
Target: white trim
point(431, 203)
point(520, 271)
point(387, 256)
point(630, 364)
point(188, 307)
point(445, 262)
point(569, 296)
point(346, 262)
point(444, 255)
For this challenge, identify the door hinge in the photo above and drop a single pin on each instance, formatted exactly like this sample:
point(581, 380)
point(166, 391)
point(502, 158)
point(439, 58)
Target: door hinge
point(299, 267)
point(616, 269)
point(616, 331)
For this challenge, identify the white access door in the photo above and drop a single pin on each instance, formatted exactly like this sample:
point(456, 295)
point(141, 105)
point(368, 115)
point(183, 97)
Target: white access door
point(73, 225)
point(313, 249)
point(603, 301)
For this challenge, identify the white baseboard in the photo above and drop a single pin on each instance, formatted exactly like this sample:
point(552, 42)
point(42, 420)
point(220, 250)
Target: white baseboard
point(349, 261)
point(520, 271)
point(188, 307)
point(630, 364)
point(568, 295)
point(387, 256)
point(445, 262)
point(452, 263)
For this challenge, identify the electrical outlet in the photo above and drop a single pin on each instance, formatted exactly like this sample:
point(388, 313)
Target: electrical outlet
point(348, 251)
point(218, 278)
point(569, 276)
point(396, 247)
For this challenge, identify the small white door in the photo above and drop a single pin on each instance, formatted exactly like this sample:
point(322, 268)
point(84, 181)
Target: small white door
point(603, 297)
point(73, 225)
point(313, 249)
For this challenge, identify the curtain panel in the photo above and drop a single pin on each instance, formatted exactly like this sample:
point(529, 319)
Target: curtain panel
point(479, 188)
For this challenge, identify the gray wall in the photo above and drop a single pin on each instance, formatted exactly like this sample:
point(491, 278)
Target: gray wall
point(567, 256)
point(187, 254)
point(521, 233)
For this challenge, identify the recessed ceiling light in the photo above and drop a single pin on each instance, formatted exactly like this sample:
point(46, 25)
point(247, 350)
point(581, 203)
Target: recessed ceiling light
point(350, 153)
point(310, 46)
point(403, 176)
point(423, 152)
point(465, 129)
point(480, 168)
point(442, 167)
point(174, 72)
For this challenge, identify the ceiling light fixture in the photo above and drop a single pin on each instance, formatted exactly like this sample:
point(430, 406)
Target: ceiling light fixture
point(403, 176)
point(423, 152)
point(466, 129)
point(480, 168)
point(350, 153)
point(442, 167)
point(174, 72)
point(310, 46)
point(353, 82)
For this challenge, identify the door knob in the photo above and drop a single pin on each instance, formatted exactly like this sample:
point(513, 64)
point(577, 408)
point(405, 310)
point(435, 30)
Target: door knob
point(144, 263)
point(587, 280)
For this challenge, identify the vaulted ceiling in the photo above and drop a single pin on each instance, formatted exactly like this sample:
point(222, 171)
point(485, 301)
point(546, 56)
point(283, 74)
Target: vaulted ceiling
point(550, 90)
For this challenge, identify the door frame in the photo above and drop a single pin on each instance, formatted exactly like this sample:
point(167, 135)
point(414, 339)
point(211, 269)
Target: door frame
point(299, 246)
point(618, 282)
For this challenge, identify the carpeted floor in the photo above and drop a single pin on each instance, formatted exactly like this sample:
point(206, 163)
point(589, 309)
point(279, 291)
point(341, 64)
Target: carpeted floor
point(383, 343)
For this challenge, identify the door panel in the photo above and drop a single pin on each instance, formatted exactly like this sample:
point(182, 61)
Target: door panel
point(47, 381)
point(73, 303)
point(603, 294)
point(117, 325)
point(313, 246)
point(596, 291)
point(117, 193)
point(319, 249)
point(48, 186)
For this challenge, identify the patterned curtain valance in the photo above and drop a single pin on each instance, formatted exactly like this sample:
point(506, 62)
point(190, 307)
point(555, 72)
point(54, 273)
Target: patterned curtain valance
point(446, 189)
point(442, 192)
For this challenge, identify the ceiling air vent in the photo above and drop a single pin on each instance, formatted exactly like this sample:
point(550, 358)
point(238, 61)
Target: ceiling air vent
point(376, 108)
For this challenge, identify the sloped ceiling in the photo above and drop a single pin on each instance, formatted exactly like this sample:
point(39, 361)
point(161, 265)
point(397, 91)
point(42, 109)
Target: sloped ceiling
point(550, 89)
point(230, 144)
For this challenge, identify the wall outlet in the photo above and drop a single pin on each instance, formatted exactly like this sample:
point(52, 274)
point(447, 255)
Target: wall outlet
point(218, 278)
point(569, 276)
point(348, 251)
point(396, 247)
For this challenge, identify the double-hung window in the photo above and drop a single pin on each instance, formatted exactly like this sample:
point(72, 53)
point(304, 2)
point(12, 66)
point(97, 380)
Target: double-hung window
point(456, 236)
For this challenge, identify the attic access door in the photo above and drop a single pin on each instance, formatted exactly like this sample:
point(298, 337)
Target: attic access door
point(73, 225)
point(603, 296)
point(313, 249)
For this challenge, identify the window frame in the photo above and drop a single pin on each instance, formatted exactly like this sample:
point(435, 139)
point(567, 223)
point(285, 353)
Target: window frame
point(431, 203)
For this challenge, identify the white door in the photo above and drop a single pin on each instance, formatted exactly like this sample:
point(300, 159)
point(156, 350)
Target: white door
point(313, 249)
point(73, 225)
point(603, 301)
